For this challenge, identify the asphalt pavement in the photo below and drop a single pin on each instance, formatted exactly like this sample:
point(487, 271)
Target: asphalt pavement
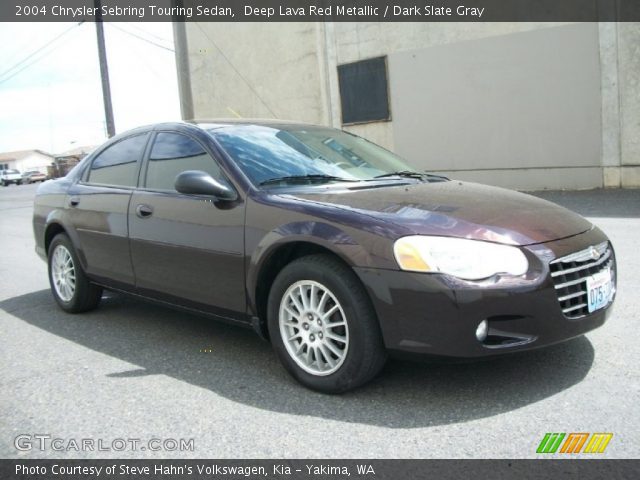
point(136, 372)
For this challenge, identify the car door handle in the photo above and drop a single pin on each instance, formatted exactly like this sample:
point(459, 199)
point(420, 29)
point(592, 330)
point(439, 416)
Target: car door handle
point(74, 201)
point(144, 211)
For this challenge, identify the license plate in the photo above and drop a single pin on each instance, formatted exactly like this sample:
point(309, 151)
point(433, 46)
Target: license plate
point(599, 289)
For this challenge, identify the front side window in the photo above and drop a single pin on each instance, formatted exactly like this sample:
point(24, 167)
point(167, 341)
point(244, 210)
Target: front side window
point(174, 153)
point(117, 165)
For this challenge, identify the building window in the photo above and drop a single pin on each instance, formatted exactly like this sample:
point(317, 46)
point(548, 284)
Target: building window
point(363, 91)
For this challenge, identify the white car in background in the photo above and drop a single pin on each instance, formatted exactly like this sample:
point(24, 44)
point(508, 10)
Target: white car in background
point(33, 176)
point(10, 176)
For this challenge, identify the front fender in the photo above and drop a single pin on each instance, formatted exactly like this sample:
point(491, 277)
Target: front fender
point(324, 235)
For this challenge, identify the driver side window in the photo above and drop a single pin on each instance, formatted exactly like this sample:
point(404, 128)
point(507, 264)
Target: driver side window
point(172, 154)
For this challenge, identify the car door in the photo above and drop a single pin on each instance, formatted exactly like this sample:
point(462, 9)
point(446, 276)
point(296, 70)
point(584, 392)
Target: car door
point(186, 249)
point(98, 208)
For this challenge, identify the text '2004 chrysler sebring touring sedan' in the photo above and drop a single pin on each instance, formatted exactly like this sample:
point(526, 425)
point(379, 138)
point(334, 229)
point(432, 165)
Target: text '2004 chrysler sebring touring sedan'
point(328, 245)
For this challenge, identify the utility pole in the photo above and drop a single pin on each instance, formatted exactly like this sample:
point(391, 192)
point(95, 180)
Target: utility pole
point(104, 72)
point(182, 63)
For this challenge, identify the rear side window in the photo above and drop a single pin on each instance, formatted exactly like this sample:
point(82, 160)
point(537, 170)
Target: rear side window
point(174, 153)
point(117, 165)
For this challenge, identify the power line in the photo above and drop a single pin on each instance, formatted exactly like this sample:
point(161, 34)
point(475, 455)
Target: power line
point(140, 37)
point(236, 70)
point(47, 44)
point(146, 32)
point(32, 54)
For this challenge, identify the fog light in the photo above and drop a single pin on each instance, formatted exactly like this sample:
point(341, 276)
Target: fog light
point(482, 330)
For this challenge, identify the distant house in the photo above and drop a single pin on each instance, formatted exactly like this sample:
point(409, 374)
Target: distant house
point(24, 160)
point(77, 152)
point(65, 161)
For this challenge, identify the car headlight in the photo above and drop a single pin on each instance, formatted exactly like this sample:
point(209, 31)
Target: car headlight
point(462, 258)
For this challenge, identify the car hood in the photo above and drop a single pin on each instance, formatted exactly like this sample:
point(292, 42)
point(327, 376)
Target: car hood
point(458, 209)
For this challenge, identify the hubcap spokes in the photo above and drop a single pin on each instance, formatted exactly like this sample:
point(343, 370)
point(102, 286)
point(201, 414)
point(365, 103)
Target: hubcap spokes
point(63, 273)
point(313, 327)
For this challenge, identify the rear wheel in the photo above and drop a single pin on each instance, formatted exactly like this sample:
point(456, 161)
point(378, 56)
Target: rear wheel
point(322, 325)
point(69, 284)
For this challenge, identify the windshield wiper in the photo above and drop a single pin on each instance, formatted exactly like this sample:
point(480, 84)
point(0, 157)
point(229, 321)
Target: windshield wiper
point(402, 173)
point(411, 174)
point(302, 178)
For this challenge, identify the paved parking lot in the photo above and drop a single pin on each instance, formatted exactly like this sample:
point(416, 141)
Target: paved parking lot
point(131, 370)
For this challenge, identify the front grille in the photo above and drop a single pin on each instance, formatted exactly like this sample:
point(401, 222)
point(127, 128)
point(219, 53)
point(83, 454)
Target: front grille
point(570, 275)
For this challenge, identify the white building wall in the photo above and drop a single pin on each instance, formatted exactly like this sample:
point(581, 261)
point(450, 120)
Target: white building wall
point(289, 71)
point(260, 70)
point(499, 109)
point(31, 161)
point(35, 161)
point(359, 40)
point(629, 78)
point(620, 73)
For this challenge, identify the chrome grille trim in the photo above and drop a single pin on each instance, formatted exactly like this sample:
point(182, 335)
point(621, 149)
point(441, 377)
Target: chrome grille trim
point(602, 259)
point(572, 295)
point(571, 309)
point(585, 255)
point(568, 284)
point(570, 273)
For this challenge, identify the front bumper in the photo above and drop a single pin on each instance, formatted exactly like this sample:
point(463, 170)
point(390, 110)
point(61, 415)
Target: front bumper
point(435, 314)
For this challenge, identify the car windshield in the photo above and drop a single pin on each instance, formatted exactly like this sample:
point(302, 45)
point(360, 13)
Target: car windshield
point(286, 154)
point(12, 171)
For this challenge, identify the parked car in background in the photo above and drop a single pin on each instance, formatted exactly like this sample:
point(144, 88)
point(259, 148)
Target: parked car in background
point(334, 248)
point(7, 177)
point(33, 176)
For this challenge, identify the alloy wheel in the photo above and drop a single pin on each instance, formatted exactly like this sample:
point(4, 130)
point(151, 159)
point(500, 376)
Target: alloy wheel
point(314, 327)
point(63, 273)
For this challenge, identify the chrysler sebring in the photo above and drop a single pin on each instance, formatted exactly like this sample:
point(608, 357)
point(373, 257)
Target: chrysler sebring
point(333, 248)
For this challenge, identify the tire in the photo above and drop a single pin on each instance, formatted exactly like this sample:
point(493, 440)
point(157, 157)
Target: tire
point(77, 297)
point(336, 353)
point(19, 182)
point(5, 184)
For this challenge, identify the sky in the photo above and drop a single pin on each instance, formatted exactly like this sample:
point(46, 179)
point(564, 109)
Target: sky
point(55, 103)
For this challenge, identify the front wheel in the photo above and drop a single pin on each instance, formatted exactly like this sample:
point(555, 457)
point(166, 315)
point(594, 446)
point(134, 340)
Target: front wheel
point(323, 326)
point(70, 286)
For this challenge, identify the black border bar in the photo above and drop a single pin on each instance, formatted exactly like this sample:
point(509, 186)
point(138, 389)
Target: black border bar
point(583, 469)
point(323, 10)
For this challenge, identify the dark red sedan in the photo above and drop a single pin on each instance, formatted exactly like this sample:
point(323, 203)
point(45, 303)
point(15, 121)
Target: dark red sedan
point(333, 248)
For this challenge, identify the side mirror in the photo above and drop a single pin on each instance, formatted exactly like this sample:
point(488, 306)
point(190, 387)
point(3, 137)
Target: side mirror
point(197, 182)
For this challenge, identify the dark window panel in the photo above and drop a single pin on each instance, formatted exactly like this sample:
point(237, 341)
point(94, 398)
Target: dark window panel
point(363, 91)
point(172, 154)
point(117, 165)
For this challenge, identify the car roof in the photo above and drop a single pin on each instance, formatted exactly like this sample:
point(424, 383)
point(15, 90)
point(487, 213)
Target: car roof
point(213, 123)
point(220, 122)
point(202, 124)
